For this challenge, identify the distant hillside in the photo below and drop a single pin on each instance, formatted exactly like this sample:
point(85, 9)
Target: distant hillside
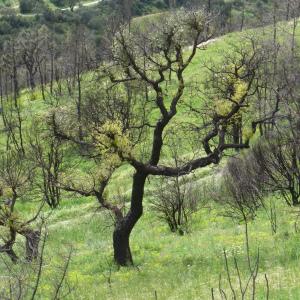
point(31, 5)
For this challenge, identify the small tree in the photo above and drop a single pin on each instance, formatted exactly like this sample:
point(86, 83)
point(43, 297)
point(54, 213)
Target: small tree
point(241, 188)
point(31, 52)
point(175, 200)
point(27, 6)
point(16, 183)
point(279, 162)
point(47, 151)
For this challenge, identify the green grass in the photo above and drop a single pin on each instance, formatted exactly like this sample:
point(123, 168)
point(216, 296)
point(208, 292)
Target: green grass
point(176, 267)
point(167, 265)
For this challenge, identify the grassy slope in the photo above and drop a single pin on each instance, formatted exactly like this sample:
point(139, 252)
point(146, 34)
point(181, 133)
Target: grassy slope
point(176, 267)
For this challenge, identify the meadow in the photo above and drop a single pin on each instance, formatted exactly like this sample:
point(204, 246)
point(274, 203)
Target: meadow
point(167, 265)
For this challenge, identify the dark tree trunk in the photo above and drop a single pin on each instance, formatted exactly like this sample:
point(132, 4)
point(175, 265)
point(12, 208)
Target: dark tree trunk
point(243, 19)
point(121, 235)
point(12, 255)
point(79, 100)
point(288, 10)
point(32, 244)
point(51, 72)
point(7, 247)
point(122, 252)
point(295, 199)
point(209, 6)
point(31, 80)
point(127, 10)
point(10, 252)
point(42, 82)
point(236, 133)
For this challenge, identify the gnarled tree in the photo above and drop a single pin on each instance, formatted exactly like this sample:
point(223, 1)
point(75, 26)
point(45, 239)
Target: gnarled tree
point(143, 98)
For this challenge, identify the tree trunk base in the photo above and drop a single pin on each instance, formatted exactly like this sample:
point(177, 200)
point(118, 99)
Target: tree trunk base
point(10, 252)
point(122, 252)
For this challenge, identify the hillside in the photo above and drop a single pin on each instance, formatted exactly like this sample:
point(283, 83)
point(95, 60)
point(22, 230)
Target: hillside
point(15, 3)
point(167, 265)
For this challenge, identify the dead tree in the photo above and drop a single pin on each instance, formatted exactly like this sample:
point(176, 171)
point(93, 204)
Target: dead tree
point(30, 48)
point(16, 179)
point(47, 151)
point(12, 109)
point(279, 162)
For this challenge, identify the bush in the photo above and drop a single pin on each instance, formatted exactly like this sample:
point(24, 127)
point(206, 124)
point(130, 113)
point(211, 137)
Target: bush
point(27, 6)
point(240, 189)
point(175, 200)
point(271, 166)
point(5, 27)
point(279, 160)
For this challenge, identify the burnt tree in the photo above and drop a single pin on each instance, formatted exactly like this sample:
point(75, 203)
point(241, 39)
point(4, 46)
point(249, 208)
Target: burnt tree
point(139, 58)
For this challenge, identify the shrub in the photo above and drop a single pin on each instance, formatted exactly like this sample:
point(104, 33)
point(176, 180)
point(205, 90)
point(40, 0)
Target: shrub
point(27, 6)
point(175, 200)
point(279, 161)
point(5, 27)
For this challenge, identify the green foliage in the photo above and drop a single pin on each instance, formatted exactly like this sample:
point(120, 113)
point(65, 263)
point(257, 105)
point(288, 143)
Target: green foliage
point(7, 3)
point(5, 27)
point(28, 6)
point(112, 140)
point(143, 7)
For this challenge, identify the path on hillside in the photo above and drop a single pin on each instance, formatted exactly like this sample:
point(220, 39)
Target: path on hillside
point(86, 4)
point(204, 44)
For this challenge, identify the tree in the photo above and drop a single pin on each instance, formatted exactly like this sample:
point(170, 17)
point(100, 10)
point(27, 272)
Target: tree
point(277, 154)
point(17, 175)
point(172, 4)
point(175, 200)
point(30, 43)
point(80, 58)
point(135, 132)
point(279, 159)
point(48, 154)
point(127, 10)
point(12, 119)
